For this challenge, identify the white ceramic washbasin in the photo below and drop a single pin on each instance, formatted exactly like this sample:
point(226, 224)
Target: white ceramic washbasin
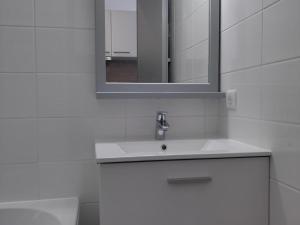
point(163, 147)
point(175, 150)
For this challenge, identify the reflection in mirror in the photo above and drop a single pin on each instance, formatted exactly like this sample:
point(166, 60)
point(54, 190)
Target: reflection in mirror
point(157, 41)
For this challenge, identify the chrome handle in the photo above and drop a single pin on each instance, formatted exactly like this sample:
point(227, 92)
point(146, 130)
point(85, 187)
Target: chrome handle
point(187, 180)
point(161, 116)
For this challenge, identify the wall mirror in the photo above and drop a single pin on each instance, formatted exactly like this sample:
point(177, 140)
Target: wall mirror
point(157, 47)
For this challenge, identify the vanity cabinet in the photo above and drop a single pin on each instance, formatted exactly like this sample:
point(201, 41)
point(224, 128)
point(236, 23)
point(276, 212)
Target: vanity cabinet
point(124, 34)
point(108, 49)
point(232, 191)
point(120, 33)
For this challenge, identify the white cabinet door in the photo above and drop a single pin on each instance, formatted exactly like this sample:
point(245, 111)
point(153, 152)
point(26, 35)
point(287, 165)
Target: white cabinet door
point(108, 50)
point(124, 33)
point(188, 192)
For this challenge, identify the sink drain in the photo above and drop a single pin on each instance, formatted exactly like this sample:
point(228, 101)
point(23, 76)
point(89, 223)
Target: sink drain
point(164, 147)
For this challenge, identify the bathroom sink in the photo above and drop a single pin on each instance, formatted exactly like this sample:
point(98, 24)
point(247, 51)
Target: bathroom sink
point(163, 147)
point(174, 150)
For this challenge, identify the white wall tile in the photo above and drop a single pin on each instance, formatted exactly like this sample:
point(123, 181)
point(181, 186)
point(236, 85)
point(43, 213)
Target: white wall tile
point(223, 108)
point(16, 49)
point(186, 127)
point(212, 129)
point(249, 93)
point(65, 139)
point(17, 141)
point(281, 91)
point(223, 126)
point(63, 94)
point(19, 182)
point(140, 128)
point(105, 107)
point(187, 30)
point(283, 139)
point(142, 107)
point(248, 101)
point(187, 8)
point(65, 50)
point(191, 22)
point(233, 11)
point(17, 12)
point(89, 214)
point(69, 95)
point(251, 76)
point(17, 95)
point(187, 65)
point(281, 33)
point(65, 13)
point(281, 74)
point(245, 130)
point(226, 83)
point(241, 45)
point(278, 126)
point(200, 23)
point(267, 3)
point(69, 179)
point(200, 62)
point(212, 106)
point(285, 204)
point(183, 107)
point(281, 103)
point(108, 128)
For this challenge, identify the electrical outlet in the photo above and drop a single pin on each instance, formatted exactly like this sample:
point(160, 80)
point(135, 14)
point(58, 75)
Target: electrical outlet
point(231, 99)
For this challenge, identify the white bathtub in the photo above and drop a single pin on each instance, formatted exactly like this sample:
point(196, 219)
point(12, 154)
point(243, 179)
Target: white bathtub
point(40, 212)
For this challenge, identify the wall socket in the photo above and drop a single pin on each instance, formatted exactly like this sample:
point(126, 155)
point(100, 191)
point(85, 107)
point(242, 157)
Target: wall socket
point(231, 99)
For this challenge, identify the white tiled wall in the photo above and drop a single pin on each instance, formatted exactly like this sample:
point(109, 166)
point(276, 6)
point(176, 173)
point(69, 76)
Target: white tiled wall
point(190, 41)
point(261, 59)
point(17, 12)
point(18, 45)
point(49, 115)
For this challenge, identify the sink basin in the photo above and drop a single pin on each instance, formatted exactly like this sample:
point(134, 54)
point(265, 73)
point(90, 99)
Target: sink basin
point(175, 150)
point(163, 147)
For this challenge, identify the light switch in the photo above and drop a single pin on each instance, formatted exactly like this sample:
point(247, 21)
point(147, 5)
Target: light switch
point(231, 99)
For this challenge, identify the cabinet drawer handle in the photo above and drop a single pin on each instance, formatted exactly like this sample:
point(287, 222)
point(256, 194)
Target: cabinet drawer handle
point(122, 52)
point(187, 180)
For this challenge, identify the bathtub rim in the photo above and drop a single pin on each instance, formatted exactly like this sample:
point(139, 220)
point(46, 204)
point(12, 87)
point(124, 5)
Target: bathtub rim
point(66, 210)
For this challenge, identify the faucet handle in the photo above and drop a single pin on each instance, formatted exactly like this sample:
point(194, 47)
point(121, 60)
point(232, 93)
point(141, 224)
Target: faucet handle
point(161, 116)
point(161, 125)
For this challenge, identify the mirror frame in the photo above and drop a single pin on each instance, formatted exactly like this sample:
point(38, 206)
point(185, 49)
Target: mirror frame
point(127, 90)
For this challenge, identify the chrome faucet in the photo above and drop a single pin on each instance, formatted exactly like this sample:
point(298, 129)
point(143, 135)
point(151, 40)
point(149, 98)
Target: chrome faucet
point(162, 126)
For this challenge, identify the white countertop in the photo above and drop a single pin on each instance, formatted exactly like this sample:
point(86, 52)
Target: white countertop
point(176, 150)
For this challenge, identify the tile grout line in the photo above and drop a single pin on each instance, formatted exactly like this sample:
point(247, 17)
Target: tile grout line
point(251, 15)
point(261, 62)
point(272, 4)
point(263, 65)
point(36, 100)
point(194, 10)
point(242, 20)
point(274, 180)
point(265, 120)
